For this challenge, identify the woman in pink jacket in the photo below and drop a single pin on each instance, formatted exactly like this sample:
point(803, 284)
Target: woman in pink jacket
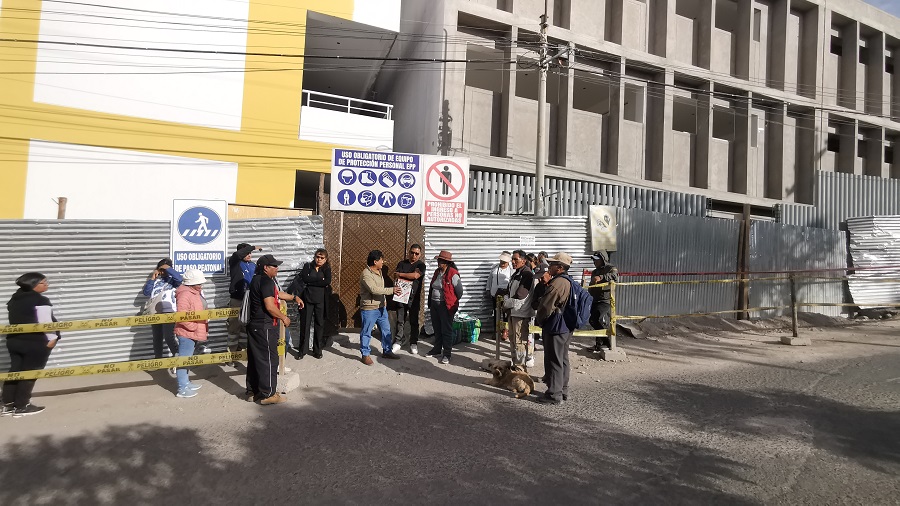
point(189, 297)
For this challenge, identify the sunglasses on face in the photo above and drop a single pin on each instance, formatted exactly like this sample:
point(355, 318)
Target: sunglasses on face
point(416, 253)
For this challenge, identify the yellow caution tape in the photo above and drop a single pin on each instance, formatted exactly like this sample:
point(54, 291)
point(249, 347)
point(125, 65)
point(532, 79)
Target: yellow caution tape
point(126, 321)
point(117, 367)
point(701, 314)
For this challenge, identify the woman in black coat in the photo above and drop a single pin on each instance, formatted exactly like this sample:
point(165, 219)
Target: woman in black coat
point(312, 285)
point(28, 351)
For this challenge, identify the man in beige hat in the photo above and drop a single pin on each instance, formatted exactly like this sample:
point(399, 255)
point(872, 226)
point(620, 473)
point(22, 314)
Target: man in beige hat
point(498, 286)
point(554, 332)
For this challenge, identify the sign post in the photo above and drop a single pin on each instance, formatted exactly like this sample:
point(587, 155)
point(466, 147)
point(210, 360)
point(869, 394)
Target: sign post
point(445, 199)
point(199, 235)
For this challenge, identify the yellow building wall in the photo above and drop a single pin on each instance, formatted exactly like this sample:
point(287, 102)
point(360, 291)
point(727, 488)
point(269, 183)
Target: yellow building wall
point(266, 149)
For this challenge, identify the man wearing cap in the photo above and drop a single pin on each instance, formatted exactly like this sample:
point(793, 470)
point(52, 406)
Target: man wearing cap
point(519, 312)
point(373, 307)
point(241, 269)
point(604, 272)
point(554, 332)
point(498, 286)
point(262, 331)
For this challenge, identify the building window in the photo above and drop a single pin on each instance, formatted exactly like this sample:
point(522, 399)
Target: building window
point(757, 25)
point(863, 52)
point(834, 143)
point(837, 45)
point(889, 155)
point(754, 130)
point(634, 103)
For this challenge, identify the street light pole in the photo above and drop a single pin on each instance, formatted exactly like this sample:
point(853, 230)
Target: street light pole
point(538, 194)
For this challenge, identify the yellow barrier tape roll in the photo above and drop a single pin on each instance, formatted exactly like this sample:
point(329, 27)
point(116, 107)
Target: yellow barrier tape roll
point(117, 367)
point(126, 321)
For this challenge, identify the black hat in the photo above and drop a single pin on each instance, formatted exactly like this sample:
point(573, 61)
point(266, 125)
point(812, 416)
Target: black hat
point(242, 246)
point(268, 260)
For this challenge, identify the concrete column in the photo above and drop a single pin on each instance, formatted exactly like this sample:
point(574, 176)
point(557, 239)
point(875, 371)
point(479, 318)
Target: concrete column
point(811, 143)
point(849, 66)
point(777, 177)
point(874, 163)
point(740, 148)
point(895, 87)
point(670, 40)
point(658, 13)
point(700, 170)
point(615, 117)
point(659, 170)
point(507, 141)
point(743, 34)
point(875, 75)
point(564, 148)
point(707, 20)
point(778, 43)
point(812, 46)
point(847, 160)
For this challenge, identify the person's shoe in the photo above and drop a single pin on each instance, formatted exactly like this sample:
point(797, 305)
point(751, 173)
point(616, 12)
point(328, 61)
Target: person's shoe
point(186, 393)
point(250, 396)
point(414, 349)
point(546, 399)
point(367, 360)
point(172, 372)
point(445, 360)
point(275, 399)
point(435, 352)
point(392, 356)
point(529, 362)
point(7, 409)
point(395, 348)
point(317, 355)
point(205, 349)
point(30, 409)
point(565, 397)
point(195, 386)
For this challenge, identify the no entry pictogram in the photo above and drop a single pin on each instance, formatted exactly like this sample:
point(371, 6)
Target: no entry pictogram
point(450, 181)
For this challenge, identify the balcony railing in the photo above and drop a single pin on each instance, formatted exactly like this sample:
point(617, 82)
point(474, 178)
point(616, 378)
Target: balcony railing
point(347, 105)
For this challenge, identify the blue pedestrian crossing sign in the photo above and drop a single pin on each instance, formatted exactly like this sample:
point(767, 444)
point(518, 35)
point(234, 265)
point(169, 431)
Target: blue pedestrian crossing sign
point(199, 237)
point(376, 181)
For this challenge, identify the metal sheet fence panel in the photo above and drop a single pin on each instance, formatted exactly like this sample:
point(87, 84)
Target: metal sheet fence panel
point(875, 242)
point(98, 268)
point(841, 196)
point(653, 242)
point(778, 247)
point(569, 197)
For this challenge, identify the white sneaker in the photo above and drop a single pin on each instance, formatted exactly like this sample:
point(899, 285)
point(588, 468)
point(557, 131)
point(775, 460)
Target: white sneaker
point(529, 362)
point(445, 360)
point(395, 348)
point(172, 372)
point(186, 393)
point(194, 386)
point(414, 349)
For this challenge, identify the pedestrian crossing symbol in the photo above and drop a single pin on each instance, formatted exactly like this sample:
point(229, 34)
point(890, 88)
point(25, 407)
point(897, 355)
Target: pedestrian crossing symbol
point(199, 225)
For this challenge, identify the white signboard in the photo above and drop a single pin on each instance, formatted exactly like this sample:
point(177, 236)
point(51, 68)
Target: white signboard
point(376, 182)
point(446, 194)
point(199, 235)
point(603, 228)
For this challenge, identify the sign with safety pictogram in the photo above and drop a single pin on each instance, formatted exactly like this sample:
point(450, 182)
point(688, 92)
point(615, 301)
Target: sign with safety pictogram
point(446, 194)
point(376, 182)
point(199, 235)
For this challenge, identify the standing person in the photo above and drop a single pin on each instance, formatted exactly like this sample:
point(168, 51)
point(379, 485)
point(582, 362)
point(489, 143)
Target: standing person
point(28, 351)
point(532, 262)
point(518, 306)
point(262, 332)
point(312, 282)
point(603, 272)
point(241, 269)
point(443, 301)
point(189, 297)
point(411, 269)
point(373, 307)
point(556, 335)
point(162, 283)
point(498, 286)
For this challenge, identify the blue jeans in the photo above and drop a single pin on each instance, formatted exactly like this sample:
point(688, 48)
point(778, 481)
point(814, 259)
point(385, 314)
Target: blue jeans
point(370, 318)
point(185, 349)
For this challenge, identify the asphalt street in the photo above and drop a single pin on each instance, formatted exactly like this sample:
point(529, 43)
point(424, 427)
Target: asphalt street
point(710, 419)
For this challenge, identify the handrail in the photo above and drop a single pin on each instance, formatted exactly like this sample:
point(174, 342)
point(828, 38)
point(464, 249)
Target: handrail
point(346, 103)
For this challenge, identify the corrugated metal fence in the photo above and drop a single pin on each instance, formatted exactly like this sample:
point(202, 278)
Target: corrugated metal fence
point(98, 268)
point(777, 247)
point(875, 243)
point(840, 196)
point(489, 191)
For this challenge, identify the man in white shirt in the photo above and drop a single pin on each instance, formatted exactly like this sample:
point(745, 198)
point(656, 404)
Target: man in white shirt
point(498, 286)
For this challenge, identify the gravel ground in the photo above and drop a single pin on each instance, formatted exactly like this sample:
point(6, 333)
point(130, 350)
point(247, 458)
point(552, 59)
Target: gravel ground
point(708, 418)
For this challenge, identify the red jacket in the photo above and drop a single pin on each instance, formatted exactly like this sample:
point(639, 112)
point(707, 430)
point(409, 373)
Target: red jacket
point(450, 298)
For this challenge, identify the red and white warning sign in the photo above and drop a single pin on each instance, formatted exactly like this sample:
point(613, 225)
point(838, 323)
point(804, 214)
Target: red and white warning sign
point(445, 200)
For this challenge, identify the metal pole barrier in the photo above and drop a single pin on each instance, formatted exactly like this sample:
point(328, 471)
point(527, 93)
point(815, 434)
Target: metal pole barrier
point(794, 305)
point(611, 331)
point(281, 340)
point(497, 321)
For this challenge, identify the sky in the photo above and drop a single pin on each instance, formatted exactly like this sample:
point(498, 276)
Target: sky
point(891, 6)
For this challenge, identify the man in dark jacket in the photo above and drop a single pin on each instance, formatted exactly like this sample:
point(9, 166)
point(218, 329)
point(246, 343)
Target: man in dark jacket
point(604, 272)
point(554, 332)
point(241, 269)
point(410, 269)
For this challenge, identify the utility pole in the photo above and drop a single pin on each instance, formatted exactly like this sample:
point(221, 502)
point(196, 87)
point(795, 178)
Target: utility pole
point(538, 194)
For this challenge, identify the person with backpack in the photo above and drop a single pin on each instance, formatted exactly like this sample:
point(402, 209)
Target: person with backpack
point(160, 287)
point(555, 332)
point(603, 272)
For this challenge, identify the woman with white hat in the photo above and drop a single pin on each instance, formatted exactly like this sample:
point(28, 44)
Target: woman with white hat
point(189, 297)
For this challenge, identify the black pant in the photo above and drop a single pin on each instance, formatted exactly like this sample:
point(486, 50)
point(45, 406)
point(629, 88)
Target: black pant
point(600, 314)
point(164, 332)
point(556, 364)
point(442, 321)
point(262, 360)
point(312, 315)
point(25, 354)
point(407, 314)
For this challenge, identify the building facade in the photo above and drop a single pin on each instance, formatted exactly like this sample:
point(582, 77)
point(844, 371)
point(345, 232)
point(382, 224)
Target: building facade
point(740, 101)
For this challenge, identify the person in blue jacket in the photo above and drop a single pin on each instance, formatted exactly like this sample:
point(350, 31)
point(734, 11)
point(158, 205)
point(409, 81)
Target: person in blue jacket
point(162, 283)
point(241, 268)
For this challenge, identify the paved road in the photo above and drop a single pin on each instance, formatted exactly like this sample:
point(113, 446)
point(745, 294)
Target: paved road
point(726, 419)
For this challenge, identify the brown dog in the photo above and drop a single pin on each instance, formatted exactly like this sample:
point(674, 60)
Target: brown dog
point(511, 377)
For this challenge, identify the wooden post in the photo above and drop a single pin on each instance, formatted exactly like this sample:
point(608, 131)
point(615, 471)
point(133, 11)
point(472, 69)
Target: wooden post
point(497, 330)
point(794, 305)
point(611, 331)
point(743, 265)
point(61, 210)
